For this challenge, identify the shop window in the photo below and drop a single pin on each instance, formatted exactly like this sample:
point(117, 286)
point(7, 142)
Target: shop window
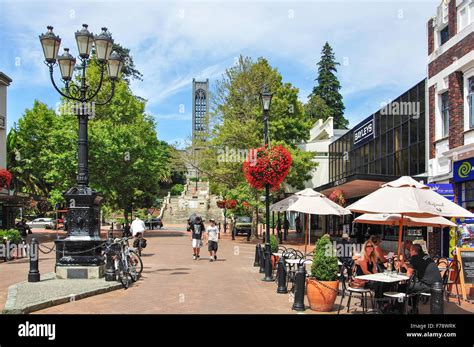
point(390, 142)
point(414, 160)
point(398, 163)
point(444, 35)
point(404, 130)
point(413, 131)
point(421, 129)
point(470, 99)
point(444, 114)
point(390, 169)
point(421, 158)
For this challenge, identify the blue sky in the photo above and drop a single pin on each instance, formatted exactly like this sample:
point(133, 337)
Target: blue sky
point(381, 46)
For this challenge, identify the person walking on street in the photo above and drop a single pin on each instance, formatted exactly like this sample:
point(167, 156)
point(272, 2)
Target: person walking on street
point(137, 229)
point(197, 229)
point(212, 238)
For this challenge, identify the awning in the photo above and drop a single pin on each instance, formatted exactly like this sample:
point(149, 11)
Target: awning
point(357, 185)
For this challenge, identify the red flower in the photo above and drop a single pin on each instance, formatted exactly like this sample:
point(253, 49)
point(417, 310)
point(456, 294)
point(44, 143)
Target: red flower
point(221, 204)
point(231, 204)
point(338, 197)
point(245, 204)
point(5, 178)
point(265, 165)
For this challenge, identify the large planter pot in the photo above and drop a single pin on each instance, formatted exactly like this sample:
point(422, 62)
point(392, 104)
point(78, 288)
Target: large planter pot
point(321, 297)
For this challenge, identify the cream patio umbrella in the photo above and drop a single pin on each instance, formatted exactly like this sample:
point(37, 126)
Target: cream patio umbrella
point(309, 202)
point(394, 219)
point(407, 197)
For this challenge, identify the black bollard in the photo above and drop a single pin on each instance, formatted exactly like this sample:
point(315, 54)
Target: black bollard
point(110, 263)
point(437, 298)
point(268, 265)
point(34, 274)
point(300, 284)
point(256, 262)
point(262, 260)
point(282, 288)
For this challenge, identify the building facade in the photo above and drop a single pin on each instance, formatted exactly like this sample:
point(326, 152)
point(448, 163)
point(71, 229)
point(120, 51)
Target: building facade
point(321, 135)
point(4, 83)
point(450, 106)
point(386, 145)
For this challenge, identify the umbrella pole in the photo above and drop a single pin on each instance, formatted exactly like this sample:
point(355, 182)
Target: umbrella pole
point(400, 233)
point(309, 228)
point(306, 236)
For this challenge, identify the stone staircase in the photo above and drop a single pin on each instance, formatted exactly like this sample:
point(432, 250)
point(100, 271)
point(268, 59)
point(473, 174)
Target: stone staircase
point(193, 200)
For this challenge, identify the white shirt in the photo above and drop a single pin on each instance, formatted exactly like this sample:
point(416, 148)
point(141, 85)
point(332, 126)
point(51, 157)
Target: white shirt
point(138, 226)
point(212, 233)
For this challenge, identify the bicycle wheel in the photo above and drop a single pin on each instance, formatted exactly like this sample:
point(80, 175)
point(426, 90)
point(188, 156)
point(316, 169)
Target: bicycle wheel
point(122, 274)
point(132, 268)
point(137, 260)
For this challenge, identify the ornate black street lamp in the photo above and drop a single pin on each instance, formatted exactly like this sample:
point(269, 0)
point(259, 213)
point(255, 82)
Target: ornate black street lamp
point(266, 99)
point(81, 247)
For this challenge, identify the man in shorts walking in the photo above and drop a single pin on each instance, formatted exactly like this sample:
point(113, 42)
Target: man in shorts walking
point(212, 238)
point(197, 229)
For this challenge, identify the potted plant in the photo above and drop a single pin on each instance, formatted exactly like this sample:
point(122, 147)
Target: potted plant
point(274, 249)
point(322, 286)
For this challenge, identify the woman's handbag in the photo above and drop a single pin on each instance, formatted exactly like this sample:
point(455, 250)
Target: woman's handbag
point(357, 283)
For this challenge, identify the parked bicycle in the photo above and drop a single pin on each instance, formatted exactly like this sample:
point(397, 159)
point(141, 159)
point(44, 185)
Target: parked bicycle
point(128, 264)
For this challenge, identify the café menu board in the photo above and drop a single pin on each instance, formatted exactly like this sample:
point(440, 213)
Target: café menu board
point(467, 262)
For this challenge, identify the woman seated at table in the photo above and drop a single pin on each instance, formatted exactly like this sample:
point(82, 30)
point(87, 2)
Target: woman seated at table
point(366, 263)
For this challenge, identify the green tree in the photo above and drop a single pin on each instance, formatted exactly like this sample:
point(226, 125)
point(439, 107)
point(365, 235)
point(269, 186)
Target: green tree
point(328, 91)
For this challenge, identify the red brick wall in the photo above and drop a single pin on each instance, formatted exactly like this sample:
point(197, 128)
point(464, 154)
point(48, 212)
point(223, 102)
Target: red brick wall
point(456, 110)
point(460, 49)
point(430, 36)
point(431, 115)
point(452, 18)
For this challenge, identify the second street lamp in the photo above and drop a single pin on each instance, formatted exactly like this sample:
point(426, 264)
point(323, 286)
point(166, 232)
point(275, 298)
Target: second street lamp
point(266, 98)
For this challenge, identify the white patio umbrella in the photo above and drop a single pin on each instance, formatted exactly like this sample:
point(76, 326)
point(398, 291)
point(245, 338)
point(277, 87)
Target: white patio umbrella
point(407, 197)
point(309, 202)
point(394, 219)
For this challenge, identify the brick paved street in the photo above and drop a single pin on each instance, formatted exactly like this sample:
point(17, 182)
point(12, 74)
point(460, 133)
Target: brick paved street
point(174, 283)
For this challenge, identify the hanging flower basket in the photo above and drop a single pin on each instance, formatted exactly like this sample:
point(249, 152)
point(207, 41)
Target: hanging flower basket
point(338, 197)
point(5, 178)
point(265, 165)
point(230, 204)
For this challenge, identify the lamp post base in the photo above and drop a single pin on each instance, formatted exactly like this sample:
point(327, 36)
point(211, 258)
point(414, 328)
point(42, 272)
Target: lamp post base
point(82, 245)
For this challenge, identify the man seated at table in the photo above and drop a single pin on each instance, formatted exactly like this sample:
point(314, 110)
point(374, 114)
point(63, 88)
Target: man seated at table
point(426, 269)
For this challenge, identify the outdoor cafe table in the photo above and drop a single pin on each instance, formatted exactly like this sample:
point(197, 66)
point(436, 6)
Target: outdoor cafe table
point(279, 255)
point(298, 261)
point(381, 277)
